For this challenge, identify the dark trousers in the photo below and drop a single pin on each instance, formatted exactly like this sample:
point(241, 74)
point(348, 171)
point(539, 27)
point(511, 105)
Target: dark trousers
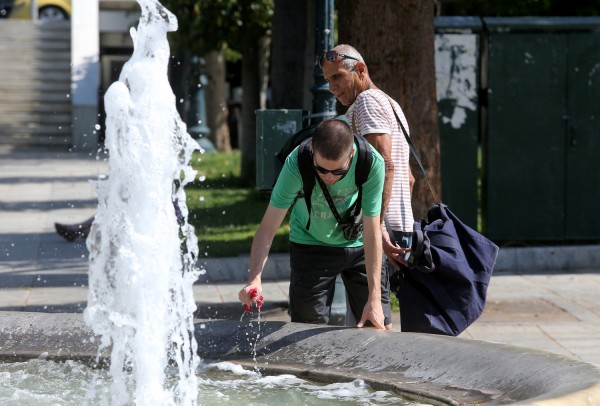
point(312, 282)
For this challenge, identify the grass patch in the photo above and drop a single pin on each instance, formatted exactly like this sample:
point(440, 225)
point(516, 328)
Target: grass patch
point(224, 214)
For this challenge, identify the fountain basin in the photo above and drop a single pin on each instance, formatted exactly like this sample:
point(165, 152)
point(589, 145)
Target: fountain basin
point(440, 369)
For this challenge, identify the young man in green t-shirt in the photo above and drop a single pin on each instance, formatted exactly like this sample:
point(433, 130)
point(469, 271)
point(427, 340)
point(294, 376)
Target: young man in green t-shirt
point(321, 252)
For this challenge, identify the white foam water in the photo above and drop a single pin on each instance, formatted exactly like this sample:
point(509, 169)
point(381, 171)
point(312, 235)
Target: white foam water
point(142, 250)
point(40, 382)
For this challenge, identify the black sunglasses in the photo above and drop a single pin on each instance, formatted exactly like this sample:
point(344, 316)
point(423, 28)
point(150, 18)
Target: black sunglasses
point(332, 56)
point(334, 172)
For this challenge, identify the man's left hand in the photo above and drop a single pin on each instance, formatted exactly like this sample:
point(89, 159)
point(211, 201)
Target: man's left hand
point(393, 252)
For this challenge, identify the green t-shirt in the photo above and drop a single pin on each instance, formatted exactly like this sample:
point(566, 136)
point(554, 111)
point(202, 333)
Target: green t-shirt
point(324, 229)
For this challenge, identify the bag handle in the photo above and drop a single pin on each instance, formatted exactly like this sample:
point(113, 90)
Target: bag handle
point(415, 154)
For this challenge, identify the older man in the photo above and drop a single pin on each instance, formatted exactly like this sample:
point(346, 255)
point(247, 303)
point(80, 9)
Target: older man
point(372, 114)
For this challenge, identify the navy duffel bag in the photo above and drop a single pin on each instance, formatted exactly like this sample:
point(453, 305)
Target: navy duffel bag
point(444, 289)
point(445, 286)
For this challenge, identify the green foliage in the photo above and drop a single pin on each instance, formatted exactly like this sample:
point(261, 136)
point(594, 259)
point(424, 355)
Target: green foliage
point(224, 214)
point(209, 25)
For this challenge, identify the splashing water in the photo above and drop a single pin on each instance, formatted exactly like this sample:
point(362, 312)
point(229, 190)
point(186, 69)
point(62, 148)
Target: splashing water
point(142, 250)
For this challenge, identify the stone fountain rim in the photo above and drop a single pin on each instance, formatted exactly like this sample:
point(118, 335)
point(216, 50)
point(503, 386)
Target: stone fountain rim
point(444, 370)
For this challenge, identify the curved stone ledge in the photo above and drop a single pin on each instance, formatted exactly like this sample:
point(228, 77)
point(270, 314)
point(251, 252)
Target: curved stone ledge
point(441, 369)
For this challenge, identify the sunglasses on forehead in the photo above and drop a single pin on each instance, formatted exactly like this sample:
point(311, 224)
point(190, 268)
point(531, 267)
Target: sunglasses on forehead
point(332, 56)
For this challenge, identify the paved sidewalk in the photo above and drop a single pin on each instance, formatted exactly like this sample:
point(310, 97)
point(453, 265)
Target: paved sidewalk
point(543, 298)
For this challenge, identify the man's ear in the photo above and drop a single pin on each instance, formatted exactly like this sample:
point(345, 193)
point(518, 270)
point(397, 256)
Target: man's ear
point(360, 68)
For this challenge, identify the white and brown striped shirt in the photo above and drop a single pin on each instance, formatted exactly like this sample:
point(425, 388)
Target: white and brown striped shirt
point(374, 114)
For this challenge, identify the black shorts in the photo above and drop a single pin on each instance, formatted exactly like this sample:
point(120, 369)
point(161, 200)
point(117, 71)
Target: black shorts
point(312, 282)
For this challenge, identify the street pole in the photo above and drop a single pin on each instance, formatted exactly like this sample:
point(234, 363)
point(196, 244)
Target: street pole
point(324, 108)
point(323, 101)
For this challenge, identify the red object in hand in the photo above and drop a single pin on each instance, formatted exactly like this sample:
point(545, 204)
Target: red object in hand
point(253, 293)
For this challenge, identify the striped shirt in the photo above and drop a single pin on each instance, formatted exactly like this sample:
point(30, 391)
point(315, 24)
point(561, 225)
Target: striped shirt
point(374, 114)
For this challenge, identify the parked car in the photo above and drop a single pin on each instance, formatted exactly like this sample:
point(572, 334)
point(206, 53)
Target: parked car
point(47, 9)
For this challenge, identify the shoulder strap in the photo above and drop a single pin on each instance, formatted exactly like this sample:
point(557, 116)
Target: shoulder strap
point(330, 201)
point(413, 150)
point(307, 172)
point(364, 162)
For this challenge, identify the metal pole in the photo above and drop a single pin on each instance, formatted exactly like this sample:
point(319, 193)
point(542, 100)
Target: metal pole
point(323, 101)
point(324, 108)
point(33, 10)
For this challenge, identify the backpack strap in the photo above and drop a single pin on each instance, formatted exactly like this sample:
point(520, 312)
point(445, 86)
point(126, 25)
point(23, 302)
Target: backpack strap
point(305, 164)
point(363, 167)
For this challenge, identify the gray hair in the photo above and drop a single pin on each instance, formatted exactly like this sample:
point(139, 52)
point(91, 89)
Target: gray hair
point(350, 51)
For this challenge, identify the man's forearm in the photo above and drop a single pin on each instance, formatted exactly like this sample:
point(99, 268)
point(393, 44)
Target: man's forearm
point(261, 244)
point(258, 256)
point(387, 191)
point(373, 251)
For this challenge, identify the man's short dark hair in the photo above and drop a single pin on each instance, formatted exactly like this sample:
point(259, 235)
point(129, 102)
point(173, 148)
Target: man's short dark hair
point(332, 139)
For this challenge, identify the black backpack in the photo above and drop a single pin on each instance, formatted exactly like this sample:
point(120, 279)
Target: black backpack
point(303, 138)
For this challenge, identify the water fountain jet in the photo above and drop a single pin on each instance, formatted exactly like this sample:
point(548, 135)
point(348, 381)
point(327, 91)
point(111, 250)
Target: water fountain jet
point(140, 298)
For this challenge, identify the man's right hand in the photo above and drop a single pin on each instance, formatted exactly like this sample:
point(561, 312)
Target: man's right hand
point(250, 294)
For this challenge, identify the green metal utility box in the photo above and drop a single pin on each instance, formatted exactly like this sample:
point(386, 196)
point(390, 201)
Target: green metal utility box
point(273, 128)
point(457, 71)
point(543, 129)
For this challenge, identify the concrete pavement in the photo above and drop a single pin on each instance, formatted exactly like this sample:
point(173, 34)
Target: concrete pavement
point(542, 298)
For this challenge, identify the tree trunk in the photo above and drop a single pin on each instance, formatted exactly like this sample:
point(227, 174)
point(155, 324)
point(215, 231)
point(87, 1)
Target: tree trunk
point(396, 38)
point(254, 85)
point(216, 101)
